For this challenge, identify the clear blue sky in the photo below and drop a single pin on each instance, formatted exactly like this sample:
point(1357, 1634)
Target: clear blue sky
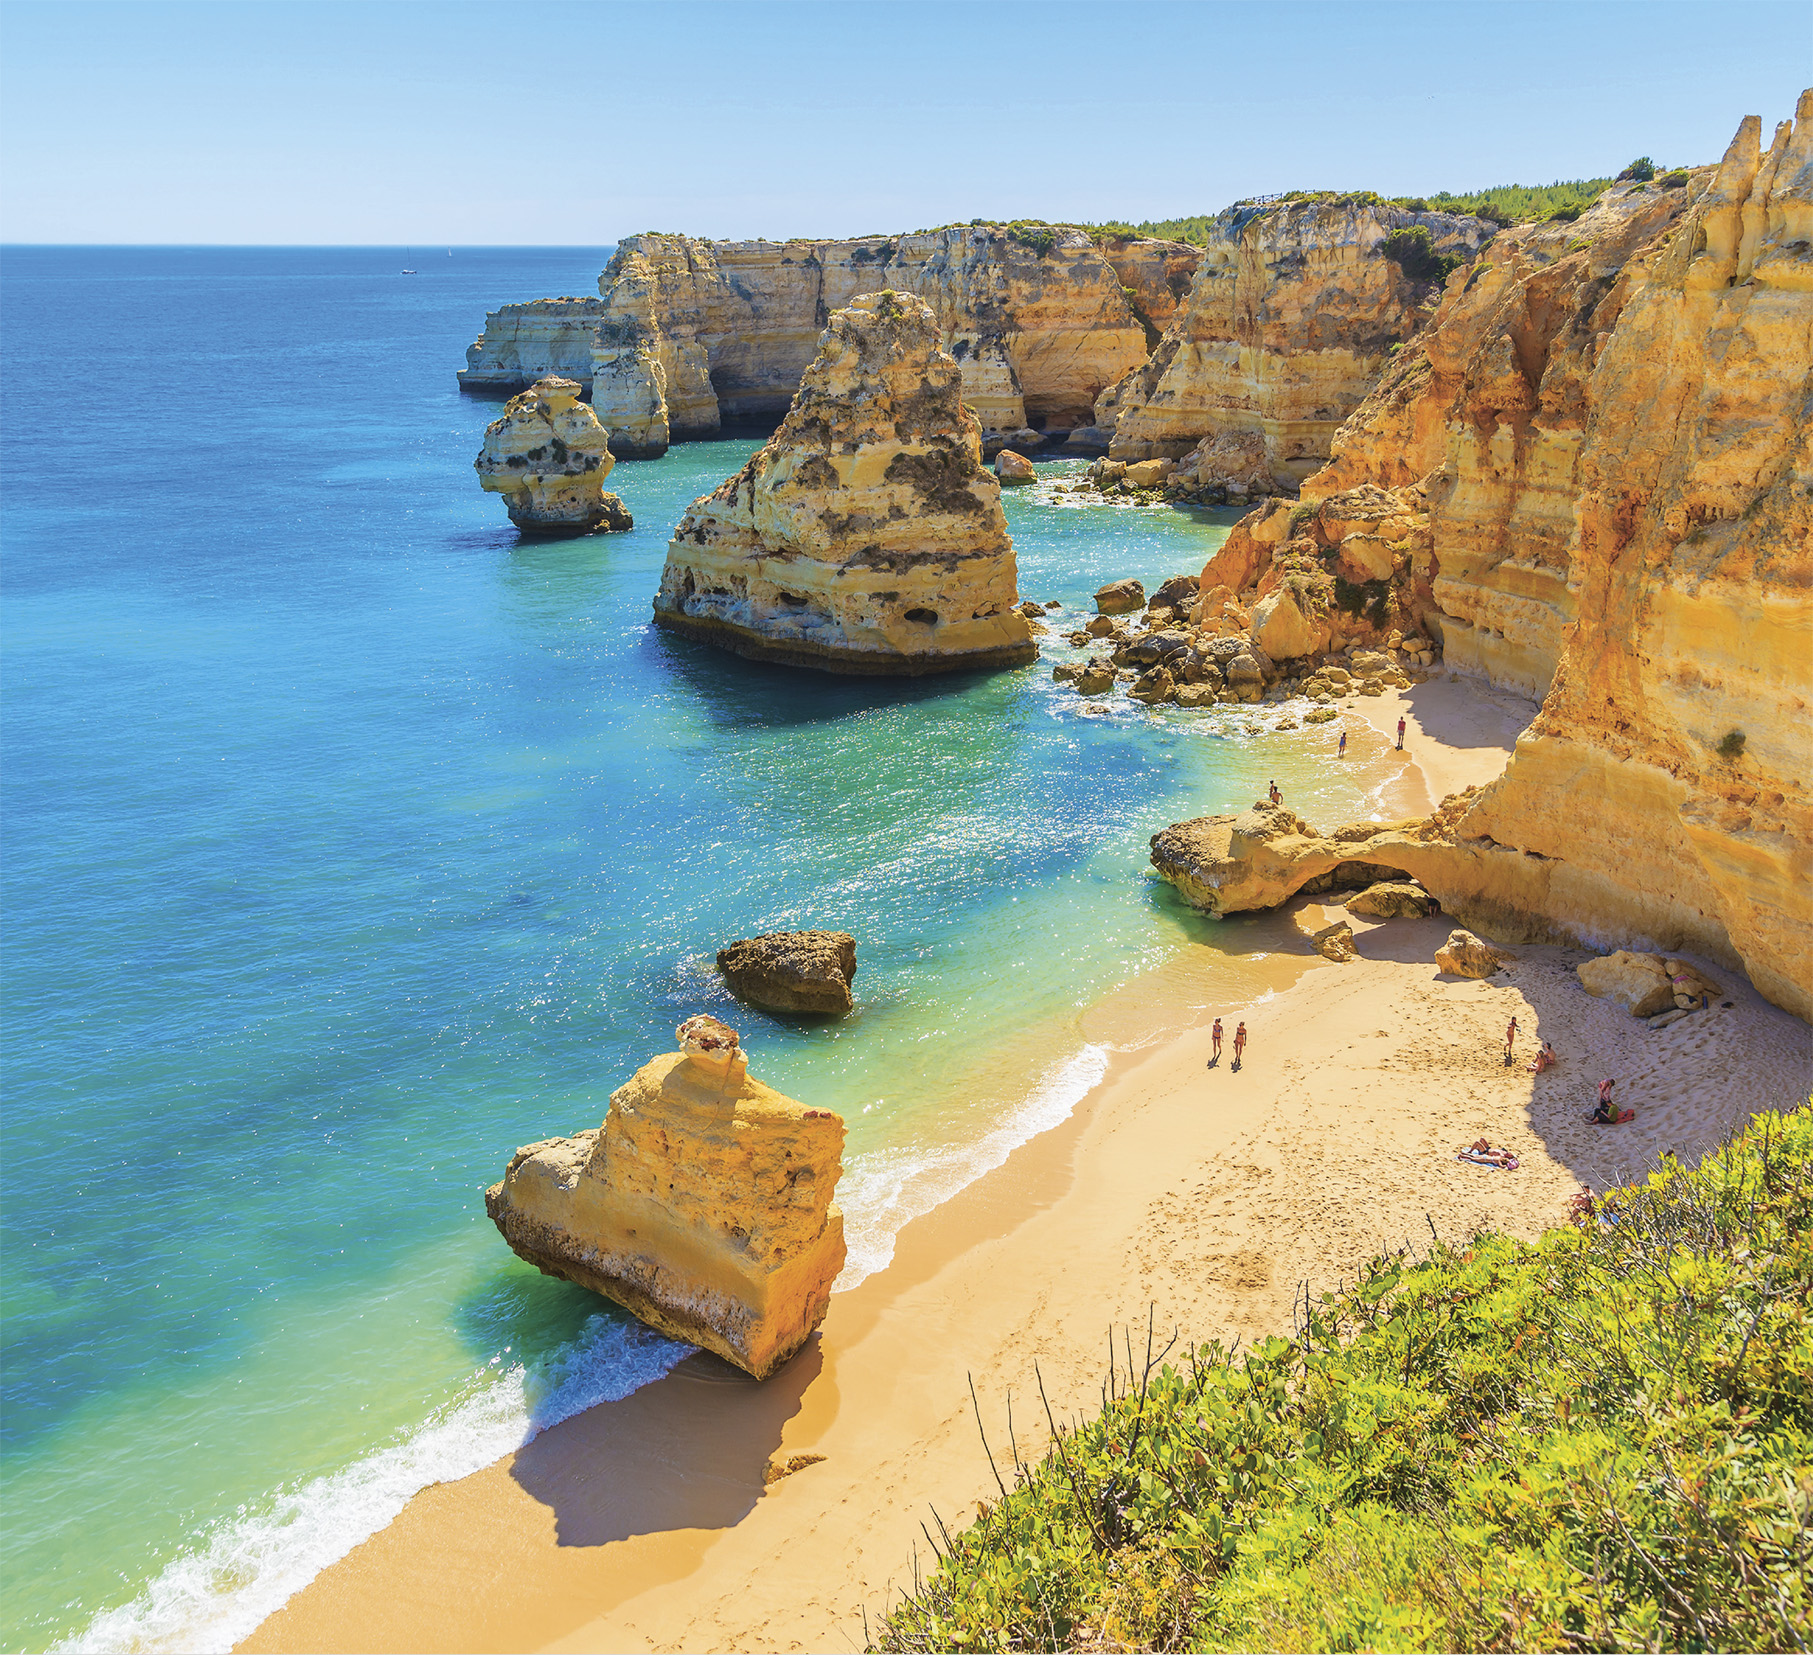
point(574, 122)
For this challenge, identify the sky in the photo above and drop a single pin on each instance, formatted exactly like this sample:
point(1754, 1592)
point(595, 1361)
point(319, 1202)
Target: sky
point(514, 123)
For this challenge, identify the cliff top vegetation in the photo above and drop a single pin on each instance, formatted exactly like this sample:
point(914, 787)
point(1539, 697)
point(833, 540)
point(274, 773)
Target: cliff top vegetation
point(1600, 1440)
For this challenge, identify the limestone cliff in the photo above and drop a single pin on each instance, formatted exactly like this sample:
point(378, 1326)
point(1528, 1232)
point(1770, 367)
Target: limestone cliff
point(1612, 433)
point(704, 1205)
point(866, 536)
point(700, 333)
point(1291, 316)
point(548, 457)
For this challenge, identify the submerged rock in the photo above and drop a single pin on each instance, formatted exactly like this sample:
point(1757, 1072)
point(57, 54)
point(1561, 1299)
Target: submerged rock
point(548, 457)
point(704, 1205)
point(865, 537)
point(806, 971)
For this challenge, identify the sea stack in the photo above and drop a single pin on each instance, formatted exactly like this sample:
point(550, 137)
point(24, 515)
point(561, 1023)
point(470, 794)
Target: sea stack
point(548, 457)
point(866, 537)
point(704, 1205)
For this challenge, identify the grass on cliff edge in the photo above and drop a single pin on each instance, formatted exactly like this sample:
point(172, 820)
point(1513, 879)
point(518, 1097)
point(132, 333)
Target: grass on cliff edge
point(1602, 1440)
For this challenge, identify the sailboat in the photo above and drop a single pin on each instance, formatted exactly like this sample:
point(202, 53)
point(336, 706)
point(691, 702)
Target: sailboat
point(408, 253)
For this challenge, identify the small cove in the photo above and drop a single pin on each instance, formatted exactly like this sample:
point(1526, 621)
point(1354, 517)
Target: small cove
point(353, 842)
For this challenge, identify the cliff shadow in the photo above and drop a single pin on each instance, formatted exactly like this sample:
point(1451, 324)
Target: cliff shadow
point(1470, 714)
point(686, 1452)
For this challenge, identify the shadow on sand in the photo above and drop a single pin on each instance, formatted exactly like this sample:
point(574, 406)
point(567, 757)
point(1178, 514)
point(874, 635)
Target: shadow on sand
point(687, 1452)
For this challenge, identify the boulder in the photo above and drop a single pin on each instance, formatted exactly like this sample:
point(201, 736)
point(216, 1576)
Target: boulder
point(1097, 678)
point(1196, 695)
point(865, 537)
point(806, 971)
point(1335, 942)
point(1088, 439)
point(1099, 626)
point(1690, 983)
point(1320, 715)
point(1393, 899)
point(1154, 687)
point(548, 457)
point(1031, 609)
point(1280, 627)
point(1120, 597)
point(1014, 468)
point(705, 1204)
point(1640, 983)
point(1369, 663)
point(1026, 438)
point(1365, 557)
point(1149, 473)
point(1465, 955)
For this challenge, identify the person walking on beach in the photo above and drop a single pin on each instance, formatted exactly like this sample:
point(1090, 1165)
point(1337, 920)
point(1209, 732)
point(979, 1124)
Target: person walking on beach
point(1510, 1041)
point(1239, 1044)
point(1215, 1035)
point(1341, 752)
point(1400, 735)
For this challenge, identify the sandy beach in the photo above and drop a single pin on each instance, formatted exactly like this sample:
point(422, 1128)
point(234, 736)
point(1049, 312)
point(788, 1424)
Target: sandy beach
point(1203, 1196)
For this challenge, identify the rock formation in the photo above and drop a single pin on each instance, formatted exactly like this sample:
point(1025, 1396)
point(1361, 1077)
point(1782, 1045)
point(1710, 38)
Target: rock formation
point(1591, 475)
point(1390, 899)
point(1293, 312)
point(1014, 468)
point(792, 971)
point(704, 1205)
point(700, 333)
point(1645, 984)
point(1465, 955)
point(866, 536)
point(548, 457)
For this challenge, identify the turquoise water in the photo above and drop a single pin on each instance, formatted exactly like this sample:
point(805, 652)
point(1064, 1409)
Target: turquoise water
point(352, 842)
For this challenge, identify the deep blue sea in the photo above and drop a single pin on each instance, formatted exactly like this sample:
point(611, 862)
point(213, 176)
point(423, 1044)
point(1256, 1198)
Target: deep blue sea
point(350, 842)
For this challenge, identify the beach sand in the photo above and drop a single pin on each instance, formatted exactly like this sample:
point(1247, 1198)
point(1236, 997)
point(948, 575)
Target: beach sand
point(1203, 1197)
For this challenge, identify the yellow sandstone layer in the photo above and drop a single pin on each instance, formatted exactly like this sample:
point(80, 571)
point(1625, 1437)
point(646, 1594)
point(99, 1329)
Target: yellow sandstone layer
point(866, 536)
point(548, 457)
point(1292, 315)
point(704, 1205)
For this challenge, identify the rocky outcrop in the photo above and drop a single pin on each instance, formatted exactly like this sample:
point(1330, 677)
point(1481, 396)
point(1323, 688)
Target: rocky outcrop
point(1465, 955)
point(1292, 314)
point(1390, 899)
point(792, 971)
point(866, 536)
point(1120, 597)
point(1645, 984)
point(1154, 275)
point(548, 457)
point(1039, 321)
point(704, 1204)
point(1014, 468)
point(528, 342)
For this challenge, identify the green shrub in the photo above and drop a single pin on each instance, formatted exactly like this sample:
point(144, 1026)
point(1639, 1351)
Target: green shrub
point(1640, 170)
point(1412, 250)
point(1565, 215)
point(1033, 233)
point(1674, 180)
point(1731, 746)
point(1602, 1440)
point(1369, 598)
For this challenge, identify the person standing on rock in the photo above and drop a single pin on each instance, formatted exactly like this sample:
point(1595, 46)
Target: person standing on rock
point(1400, 735)
point(1215, 1035)
point(1239, 1044)
point(1510, 1041)
point(1341, 752)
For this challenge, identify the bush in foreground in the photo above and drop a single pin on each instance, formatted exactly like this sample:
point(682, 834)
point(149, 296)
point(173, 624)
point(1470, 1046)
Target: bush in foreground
point(1602, 1440)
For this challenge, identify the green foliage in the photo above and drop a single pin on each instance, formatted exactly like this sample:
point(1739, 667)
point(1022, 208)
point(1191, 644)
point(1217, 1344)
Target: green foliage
point(1674, 180)
point(1602, 1440)
point(1641, 170)
point(1565, 215)
point(1412, 250)
point(1368, 598)
point(1034, 233)
point(1731, 746)
point(1513, 203)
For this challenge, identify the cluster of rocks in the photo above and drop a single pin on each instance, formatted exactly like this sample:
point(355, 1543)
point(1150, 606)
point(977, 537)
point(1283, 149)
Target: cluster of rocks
point(1167, 656)
point(1660, 987)
point(1211, 474)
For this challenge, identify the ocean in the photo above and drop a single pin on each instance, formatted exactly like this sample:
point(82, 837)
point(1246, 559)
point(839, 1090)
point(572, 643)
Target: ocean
point(351, 841)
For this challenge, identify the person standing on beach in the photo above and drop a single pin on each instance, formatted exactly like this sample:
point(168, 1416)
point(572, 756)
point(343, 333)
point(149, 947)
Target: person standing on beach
point(1510, 1041)
point(1239, 1044)
point(1215, 1035)
point(1400, 735)
point(1341, 752)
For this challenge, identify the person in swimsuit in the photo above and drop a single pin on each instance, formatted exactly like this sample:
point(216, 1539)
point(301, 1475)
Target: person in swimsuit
point(1239, 1044)
point(1510, 1041)
point(1545, 1059)
point(1215, 1035)
point(1400, 735)
point(1607, 1112)
point(1342, 752)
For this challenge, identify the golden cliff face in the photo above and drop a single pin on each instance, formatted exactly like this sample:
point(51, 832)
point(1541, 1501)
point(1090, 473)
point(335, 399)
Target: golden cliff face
point(526, 342)
point(548, 457)
point(1601, 455)
point(704, 1205)
point(1290, 319)
point(866, 536)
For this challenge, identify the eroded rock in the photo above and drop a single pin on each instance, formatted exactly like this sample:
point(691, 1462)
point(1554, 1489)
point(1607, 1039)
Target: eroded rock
point(548, 457)
point(1465, 955)
point(865, 536)
point(1638, 982)
point(705, 1204)
point(796, 971)
point(1120, 597)
point(1014, 468)
point(1390, 899)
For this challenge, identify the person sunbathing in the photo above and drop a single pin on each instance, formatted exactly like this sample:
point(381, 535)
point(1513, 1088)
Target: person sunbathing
point(1482, 1154)
point(1544, 1059)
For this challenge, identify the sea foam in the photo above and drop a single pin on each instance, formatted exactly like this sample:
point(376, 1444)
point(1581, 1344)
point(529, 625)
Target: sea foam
point(246, 1567)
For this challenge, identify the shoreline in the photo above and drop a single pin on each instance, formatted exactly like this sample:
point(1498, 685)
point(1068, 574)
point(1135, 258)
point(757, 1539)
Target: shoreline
point(1207, 1195)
